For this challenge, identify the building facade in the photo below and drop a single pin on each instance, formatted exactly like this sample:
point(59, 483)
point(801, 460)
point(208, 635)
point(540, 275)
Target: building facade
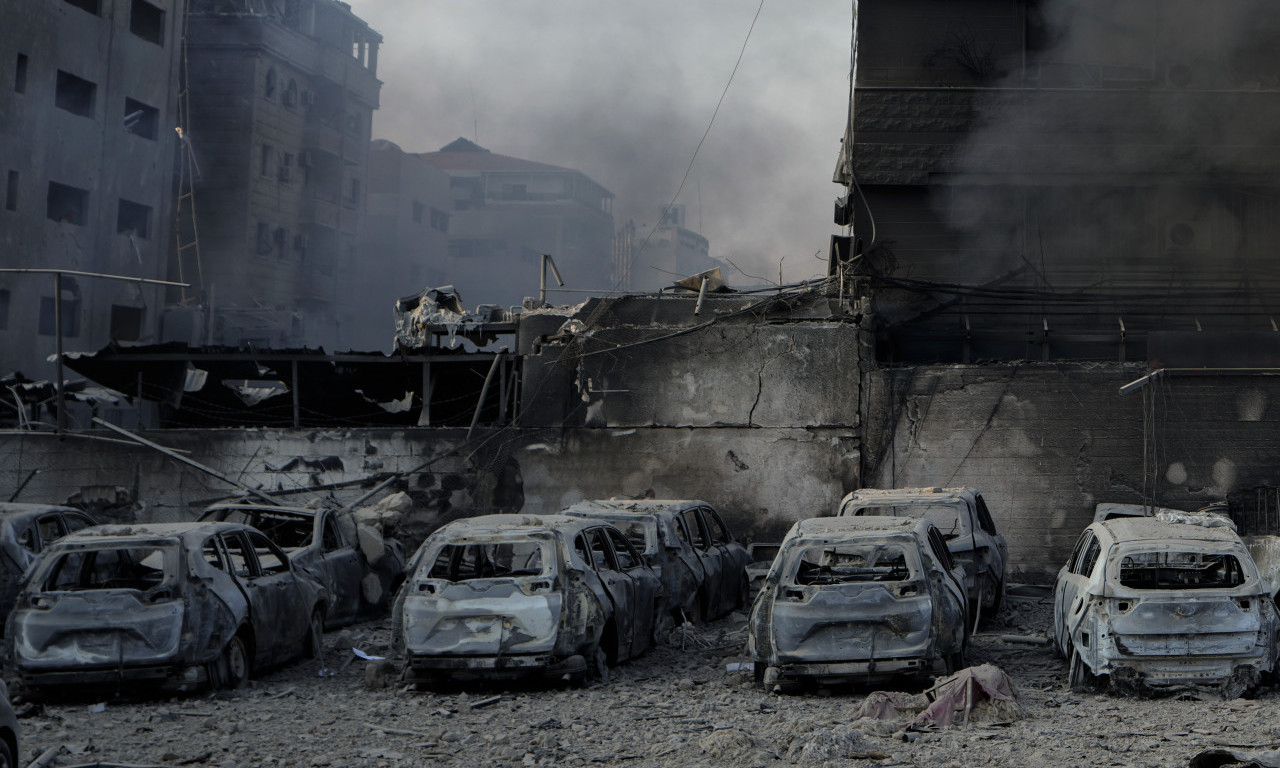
point(649, 261)
point(87, 105)
point(507, 212)
point(282, 100)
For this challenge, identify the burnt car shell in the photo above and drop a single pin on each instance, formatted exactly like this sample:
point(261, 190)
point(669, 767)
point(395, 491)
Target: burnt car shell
point(702, 565)
point(1164, 603)
point(503, 596)
point(158, 604)
point(962, 517)
point(325, 545)
point(859, 599)
point(25, 530)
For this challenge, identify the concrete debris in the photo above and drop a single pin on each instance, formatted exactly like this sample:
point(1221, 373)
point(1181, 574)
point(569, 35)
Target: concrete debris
point(372, 545)
point(839, 743)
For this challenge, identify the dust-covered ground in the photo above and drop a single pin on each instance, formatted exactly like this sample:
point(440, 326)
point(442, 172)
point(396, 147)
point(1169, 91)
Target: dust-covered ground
point(673, 707)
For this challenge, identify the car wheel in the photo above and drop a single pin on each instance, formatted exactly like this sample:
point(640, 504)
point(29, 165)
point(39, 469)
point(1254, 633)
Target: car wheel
point(231, 670)
point(7, 758)
point(313, 643)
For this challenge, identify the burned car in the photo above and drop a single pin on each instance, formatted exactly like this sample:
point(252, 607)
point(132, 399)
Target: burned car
point(179, 605)
point(359, 569)
point(686, 543)
point(859, 599)
point(504, 596)
point(962, 516)
point(25, 530)
point(1164, 603)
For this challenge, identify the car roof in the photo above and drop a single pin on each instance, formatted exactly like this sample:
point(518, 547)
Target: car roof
point(882, 495)
point(185, 531)
point(15, 509)
point(854, 525)
point(1125, 529)
point(484, 525)
point(251, 507)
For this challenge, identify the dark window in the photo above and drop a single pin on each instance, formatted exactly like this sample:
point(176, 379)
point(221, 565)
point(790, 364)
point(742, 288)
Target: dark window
point(290, 95)
point(140, 119)
point(719, 533)
point(134, 217)
point(332, 536)
point(280, 239)
point(4, 310)
point(74, 94)
point(270, 559)
point(286, 167)
point(601, 556)
point(67, 204)
point(270, 89)
point(85, 5)
point(11, 192)
point(126, 322)
point(353, 193)
point(239, 555)
point(264, 238)
point(70, 316)
point(147, 22)
point(696, 537)
point(418, 209)
point(212, 555)
point(627, 557)
point(439, 220)
point(264, 166)
point(984, 518)
point(20, 74)
point(1090, 558)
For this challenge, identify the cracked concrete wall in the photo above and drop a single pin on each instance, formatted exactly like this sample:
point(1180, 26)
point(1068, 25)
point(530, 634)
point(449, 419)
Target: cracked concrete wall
point(1043, 442)
point(757, 375)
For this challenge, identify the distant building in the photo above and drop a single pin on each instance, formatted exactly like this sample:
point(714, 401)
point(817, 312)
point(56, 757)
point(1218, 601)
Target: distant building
point(671, 252)
point(406, 239)
point(87, 109)
point(507, 212)
point(282, 99)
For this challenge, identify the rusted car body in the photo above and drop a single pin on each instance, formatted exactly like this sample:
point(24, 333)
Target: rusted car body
point(179, 605)
point(1167, 602)
point(326, 545)
point(504, 596)
point(962, 516)
point(25, 530)
point(859, 599)
point(701, 564)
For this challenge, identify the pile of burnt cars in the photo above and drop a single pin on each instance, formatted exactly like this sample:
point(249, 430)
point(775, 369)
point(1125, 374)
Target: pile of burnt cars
point(359, 569)
point(179, 605)
point(1163, 603)
point(701, 564)
point(859, 599)
point(506, 596)
point(25, 530)
point(961, 515)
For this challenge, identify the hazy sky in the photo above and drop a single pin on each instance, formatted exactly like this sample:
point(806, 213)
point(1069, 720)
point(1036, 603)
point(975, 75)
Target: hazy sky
point(623, 92)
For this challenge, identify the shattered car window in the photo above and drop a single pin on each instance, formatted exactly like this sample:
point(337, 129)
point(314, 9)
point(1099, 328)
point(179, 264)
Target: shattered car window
point(140, 568)
point(852, 564)
point(491, 560)
point(946, 516)
point(288, 531)
point(636, 532)
point(1180, 570)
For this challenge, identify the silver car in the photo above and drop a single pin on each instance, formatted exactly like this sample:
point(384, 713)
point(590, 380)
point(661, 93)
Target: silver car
point(504, 596)
point(1164, 603)
point(859, 599)
point(702, 565)
point(962, 516)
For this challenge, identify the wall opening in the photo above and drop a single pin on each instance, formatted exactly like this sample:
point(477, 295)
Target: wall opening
point(126, 322)
point(133, 217)
point(140, 119)
point(74, 94)
point(70, 311)
point(91, 6)
point(68, 205)
point(20, 74)
point(147, 22)
point(11, 192)
point(4, 309)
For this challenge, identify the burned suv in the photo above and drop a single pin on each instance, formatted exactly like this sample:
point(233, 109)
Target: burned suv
point(702, 566)
point(1164, 603)
point(179, 605)
point(965, 522)
point(503, 596)
point(859, 599)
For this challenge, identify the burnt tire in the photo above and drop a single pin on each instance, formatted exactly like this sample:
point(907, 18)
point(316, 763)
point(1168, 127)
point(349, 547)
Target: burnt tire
point(758, 670)
point(7, 758)
point(233, 664)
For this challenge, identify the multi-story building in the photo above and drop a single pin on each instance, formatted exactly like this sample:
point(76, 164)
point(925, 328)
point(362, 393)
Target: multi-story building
point(87, 105)
point(1051, 180)
point(406, 240)
point(648, 261)
point(282, 98)
point(507, 212)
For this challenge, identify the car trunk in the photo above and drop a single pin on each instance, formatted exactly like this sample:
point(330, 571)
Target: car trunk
point(1213, 626)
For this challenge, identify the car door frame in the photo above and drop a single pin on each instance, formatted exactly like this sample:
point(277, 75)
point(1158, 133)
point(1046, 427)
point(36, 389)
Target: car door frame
point(620, 590)
point(1071, 589)
point(645, 595)
point(708, 557)
point(729, 583)
point(270, 595)
point(339, 565)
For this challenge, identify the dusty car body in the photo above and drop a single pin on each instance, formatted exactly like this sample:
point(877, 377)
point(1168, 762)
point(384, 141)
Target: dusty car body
point(179, 605)
point(859, 599)
point(701, 564)
point(962, 517)
point(360, 580)
point(25, 530)
point(1166, 602)
point(9, 739)
point(762, 555)
point(504, 596)
point(1107, 510)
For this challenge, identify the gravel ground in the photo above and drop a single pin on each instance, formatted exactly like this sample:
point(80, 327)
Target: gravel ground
point(673, 707)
